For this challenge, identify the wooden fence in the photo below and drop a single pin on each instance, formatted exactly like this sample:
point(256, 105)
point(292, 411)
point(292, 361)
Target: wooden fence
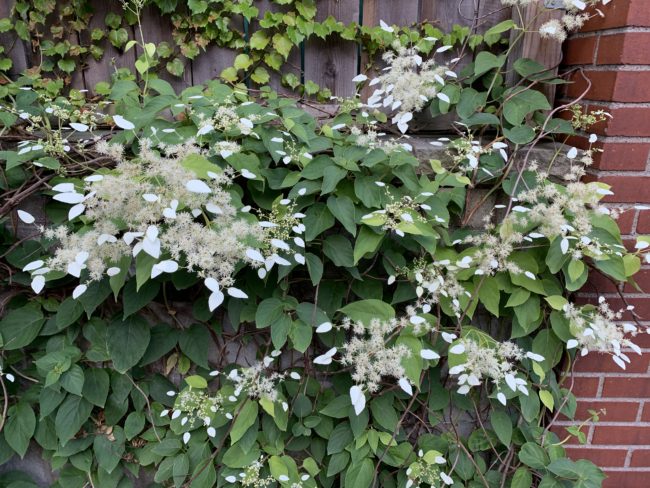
point(331, 64)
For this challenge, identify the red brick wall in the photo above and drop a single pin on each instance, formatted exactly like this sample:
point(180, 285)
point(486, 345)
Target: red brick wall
point(614, 53)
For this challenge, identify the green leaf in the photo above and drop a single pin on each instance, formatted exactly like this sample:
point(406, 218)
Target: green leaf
point(245, 419)
point(134, 424)
point(195, 343)
point(485, 61)
point(366, 310)
point(200, 165)
point(300, 335)
point(109, 450)
point(21, 326)
point(196, 381)
point(522, 479)
point(493, 34)
point(340, 438)
point(521, 134)
point(547, 399)
point(68, 313)
point(242, 61)
point(20, 427)
point(533, 455)
point(523, 102)
point(489, 294)
point(317, 219)
point(314, 267)
point(134, 300)
point(502, 426)
point(360, 474)
point(96, 384)
point(282, 44)
point(127, 342)
point(367, 242)
point(339, 250)
point(259, 40)
point(343, 209)
point(72, 414)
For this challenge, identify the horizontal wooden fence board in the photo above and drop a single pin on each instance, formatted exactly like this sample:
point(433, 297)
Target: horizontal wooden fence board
point(331, 64)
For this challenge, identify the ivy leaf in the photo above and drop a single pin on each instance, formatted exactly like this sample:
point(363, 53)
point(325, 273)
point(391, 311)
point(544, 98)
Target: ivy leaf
point(127, 342)
point(242, 61)
point(282, 44)
point(259, 40)
point(260, 75)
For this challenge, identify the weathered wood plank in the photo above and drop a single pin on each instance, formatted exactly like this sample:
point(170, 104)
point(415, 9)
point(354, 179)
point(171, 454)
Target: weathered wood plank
point(547, 52)
point(444, 14)
point(156, 29)
point(95, 71)
point(404, 12)
point(333, 63)
point(14, 47)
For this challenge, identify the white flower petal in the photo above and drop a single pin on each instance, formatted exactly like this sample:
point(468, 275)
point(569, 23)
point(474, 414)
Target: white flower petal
point(122, 123)
point(197, 186)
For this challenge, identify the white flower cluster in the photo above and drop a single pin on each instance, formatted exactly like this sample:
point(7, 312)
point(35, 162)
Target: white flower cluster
point(370, 355)
point(438, 280)
point(251, 476)
point(408, 83)
point(173, 205)
point(195, 408)
point(598, 330)
point(427, 470)
point(256, 382)
point(496, 361)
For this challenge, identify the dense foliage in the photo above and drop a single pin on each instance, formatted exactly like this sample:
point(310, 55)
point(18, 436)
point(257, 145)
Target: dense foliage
point(221, 291)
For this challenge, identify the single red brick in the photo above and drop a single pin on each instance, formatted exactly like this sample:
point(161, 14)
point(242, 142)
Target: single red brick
point(622, 156)
point(599, 85)
point(603, 458)
point(614, 411)
point(629, 121)
point(643, 224)
point(624, 48)
point(626, 479)
point(640, 458)
point(619, 387)
point(602, 363)
point(580, 50)
point(621, 435)
point(632, 86)
point(586, 387)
